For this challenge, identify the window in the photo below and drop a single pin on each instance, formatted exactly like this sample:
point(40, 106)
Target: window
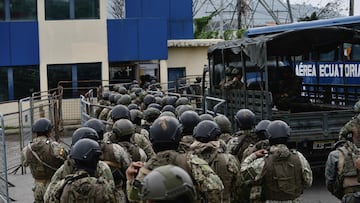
point(71, 9)
point(121, 73)
point(23, 10)
point(329, 56)
point(72, 78)
point(2, 10)
point(18, 82)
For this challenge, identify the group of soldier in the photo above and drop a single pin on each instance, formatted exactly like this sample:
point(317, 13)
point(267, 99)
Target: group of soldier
point(145, 146)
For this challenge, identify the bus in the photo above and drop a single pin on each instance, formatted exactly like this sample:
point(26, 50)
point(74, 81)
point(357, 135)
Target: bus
point(273, 87)
point(339, 67)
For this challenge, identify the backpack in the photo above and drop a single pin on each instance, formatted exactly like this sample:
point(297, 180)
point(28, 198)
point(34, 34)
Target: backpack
point(133, 150)
point(83, 189)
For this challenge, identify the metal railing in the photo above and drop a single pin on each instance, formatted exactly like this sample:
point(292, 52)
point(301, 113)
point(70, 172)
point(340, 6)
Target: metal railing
point(4, 190)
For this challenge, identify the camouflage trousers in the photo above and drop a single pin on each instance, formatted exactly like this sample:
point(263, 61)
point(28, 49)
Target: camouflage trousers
point(39, 191)
point(351, 198)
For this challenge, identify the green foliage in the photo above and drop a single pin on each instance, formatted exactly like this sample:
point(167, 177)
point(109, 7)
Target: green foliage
point(313, 16)
point(200, 25)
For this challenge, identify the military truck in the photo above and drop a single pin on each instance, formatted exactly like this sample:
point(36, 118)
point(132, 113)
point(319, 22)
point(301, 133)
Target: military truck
point(272, 89)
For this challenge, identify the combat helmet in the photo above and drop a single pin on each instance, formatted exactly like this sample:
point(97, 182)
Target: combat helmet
point(189, 119)
point(165, 133)
point(206, 131)
point(123, 129)
point(278, 130)
point(260, 129)
point(151, 113)
point(97, 125)
point(42, 126)
point(245, 119)
point(168, 182)
point(84, 132)
point(119, 111)
point(223, 123)
point(86, 153)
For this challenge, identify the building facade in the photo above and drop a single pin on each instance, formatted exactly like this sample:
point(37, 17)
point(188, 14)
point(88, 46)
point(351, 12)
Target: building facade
point(44, 42)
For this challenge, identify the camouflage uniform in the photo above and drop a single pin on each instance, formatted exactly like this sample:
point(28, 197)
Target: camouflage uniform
point(241, 140)
point(352, 126)
point(104, 114)
point(225, 165)
point(341, 173)
point(226, 137)
point(81, 187)
point(287, 187)
point(102, 170)
point(43, 157)
point(209, 185)
point(262, 144)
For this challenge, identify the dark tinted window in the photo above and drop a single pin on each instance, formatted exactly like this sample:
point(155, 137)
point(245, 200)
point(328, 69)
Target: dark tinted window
point(87, 9)
point(4, 93)
point(23, 10)
point(2, 10)
point(26, 81)
point(57, 9)
point(58, 73)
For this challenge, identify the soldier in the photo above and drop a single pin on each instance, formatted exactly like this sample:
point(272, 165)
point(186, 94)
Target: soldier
point(235, 82)
point(165, 135)
point(43, 156)
point(206, 116)
point(150, 114)
point(208, 147)
point(123, 133)
point(136, 117)
point(168, 183)
point(342, 169)
point(102, 170)
point(282, 173)
point(188, 120)
point(245, 120)
point(352, 126)
point(225, 127)
point(263, 143)
point(82, 186)
point(118, 112)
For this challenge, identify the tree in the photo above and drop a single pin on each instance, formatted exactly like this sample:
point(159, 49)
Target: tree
point(117, 8)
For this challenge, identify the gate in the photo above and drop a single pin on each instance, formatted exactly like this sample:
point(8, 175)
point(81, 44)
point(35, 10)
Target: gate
point(4, 190)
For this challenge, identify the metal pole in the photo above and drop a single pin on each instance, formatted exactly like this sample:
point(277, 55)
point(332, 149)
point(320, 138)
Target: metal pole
point(351, 8)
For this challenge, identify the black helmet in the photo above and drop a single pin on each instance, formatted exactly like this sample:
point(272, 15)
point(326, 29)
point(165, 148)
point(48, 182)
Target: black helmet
point(168, 182)
point(97, 125)
point(124, 99)
point(122, 90)
point(42, 126)
point(189, 119)
point(166, 130)
point(133, 106)
point(170, 100)
point(149, 99)
point(206, 131)
point(168, 108)
point(112, 97)
point(150, 114)
point(86, 153)
point(119, 111)
point(223, 123)
point(260, 128)
point(117, 98)
point(182, 101)
point(123, 128)
point(155, 105)
point(105, 95)
point(136, 116)
point(245, 119)
point(278, 129)
point(167, 113)
point(182, 108)
point(206, 117)
point(84, 132)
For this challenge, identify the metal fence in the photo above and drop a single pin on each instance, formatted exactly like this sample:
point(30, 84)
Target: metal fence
point(4, 190)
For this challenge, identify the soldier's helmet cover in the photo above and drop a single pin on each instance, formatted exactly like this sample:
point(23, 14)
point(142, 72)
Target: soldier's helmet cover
point(42, 125)
point(223, 123)
point(278, 129)
point(120, 111)
point(189, 119)
point(123, 128)
point(168, 182)
point(97, 125)
point(245, 119)
point(84, 132)
point(206, 131)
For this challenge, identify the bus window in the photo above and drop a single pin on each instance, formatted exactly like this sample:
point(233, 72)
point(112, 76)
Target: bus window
point(328, 56)
point(355, 52)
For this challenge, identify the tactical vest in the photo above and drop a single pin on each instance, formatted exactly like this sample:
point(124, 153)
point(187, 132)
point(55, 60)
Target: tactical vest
point(282, 176)
point(82, 189)
point(169, 157)
point(244, 140)
point(132, 149)
point(43, 161)
point(348, 175)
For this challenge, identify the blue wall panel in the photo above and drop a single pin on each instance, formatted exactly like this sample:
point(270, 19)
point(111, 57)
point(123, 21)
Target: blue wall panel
point(152, 39)
point(24, 42)
point(123, 43)
point(5, 44)
point(156, 8)
point(181, 29)
point(133, 8)
point(180, 9)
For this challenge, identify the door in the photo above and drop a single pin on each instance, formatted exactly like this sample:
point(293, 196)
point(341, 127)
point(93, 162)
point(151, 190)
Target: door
point(173, 75)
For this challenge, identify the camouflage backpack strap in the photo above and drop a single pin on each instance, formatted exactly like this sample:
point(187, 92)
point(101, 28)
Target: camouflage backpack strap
point(132, 149)
point(39, 159)
point(236, 150)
